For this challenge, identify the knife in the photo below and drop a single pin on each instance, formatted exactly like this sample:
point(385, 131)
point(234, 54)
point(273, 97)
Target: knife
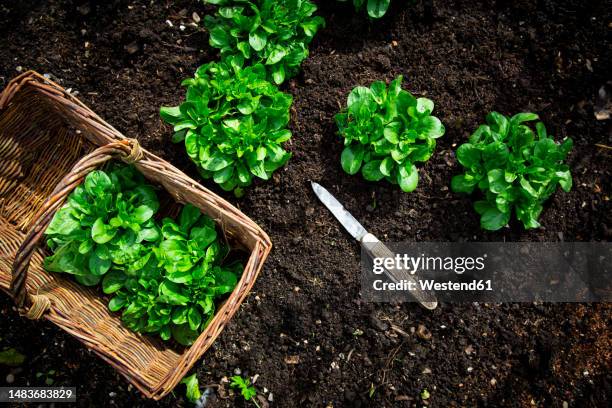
point(373, 247)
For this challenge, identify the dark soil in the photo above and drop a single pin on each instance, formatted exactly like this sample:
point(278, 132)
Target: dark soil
point(300, 329)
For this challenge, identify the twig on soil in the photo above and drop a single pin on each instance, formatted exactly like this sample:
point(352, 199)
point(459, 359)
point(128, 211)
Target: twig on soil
point(389, 363)
point(603, 146)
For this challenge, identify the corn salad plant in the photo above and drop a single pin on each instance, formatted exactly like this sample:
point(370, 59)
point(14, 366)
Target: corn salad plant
point(515, 168)
point(386, 132)
point(273, 33)
point(233, 123)
point(164, 277)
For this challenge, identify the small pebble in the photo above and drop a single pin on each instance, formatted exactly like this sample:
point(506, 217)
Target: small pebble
point(423, 332)
point(195, 17)
point(470, 369)
point(237, 371)
point(19, 68)
point(10, 378)
point(112, 394)
point(270, 397)
point(493, 381)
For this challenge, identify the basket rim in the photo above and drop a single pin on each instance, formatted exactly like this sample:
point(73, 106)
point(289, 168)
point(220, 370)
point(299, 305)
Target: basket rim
point(257, 256)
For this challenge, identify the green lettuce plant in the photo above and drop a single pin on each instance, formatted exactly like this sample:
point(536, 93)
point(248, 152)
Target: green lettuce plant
point(514, 167)
point(105, 224)
point(386, 131)
point(375, 8)
point(273, 33)
point(175, 294)
point(232, 122)
point(164, 277)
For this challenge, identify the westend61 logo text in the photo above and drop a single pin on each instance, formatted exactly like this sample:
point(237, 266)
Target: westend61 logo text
point(413, 264)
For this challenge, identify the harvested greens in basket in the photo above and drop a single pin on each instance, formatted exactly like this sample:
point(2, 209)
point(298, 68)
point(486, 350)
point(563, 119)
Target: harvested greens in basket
point(164, 276)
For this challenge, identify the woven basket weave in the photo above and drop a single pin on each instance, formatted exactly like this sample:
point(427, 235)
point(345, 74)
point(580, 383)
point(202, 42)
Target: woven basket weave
point(49, 141)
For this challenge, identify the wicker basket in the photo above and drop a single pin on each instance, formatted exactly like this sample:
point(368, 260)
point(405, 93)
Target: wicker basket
point(49, 141)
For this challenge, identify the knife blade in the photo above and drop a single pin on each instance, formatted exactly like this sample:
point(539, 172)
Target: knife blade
point(373, 247)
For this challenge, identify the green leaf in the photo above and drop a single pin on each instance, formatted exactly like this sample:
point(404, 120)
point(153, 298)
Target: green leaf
point(225, 281)
point(498, 123)
point(495, 154)
point(492, 219)
point(223, 175)
point(102, 233)
point(258, 170)
point(11, 357)
point(463, 183)
point(86, 246)
point(391, 132)
point(528, 188)
point(379, 91)
point(97, 183)
point(217, 162)
point(193, 388)
point(194, 318)
point(203, 236)
point(497, 182)
point(184, 335)
point(112, 282)
point(277, 54)
point(424, 106)
point(278, 74)
point(387, 165)
point(432, 127)
point(189, 215)
point(377, 8)
point(351, 158)
point(143, 213)
point(565, 179)
point(179, 315)
point(98, 266)
point(172, 293)
point(408, 177)
point(360, 101)
point(371, 171)
point(116, 303)
point(219, 37)
point(258, 40)
point(522, 117)
point(170, 114)
point(63, 223)
point(468, 155)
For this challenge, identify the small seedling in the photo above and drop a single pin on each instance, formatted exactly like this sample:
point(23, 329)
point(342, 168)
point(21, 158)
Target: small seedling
point(192, 388)
point(48, 376)
point(11, 357)
point(514, 167)
point(246, 389)
point(375, 8)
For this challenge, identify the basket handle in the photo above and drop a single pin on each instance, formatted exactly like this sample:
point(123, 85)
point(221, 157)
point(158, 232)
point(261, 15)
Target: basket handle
point(32, 305)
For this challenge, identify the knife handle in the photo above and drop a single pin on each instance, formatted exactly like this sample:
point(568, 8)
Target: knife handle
point(377, 249)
